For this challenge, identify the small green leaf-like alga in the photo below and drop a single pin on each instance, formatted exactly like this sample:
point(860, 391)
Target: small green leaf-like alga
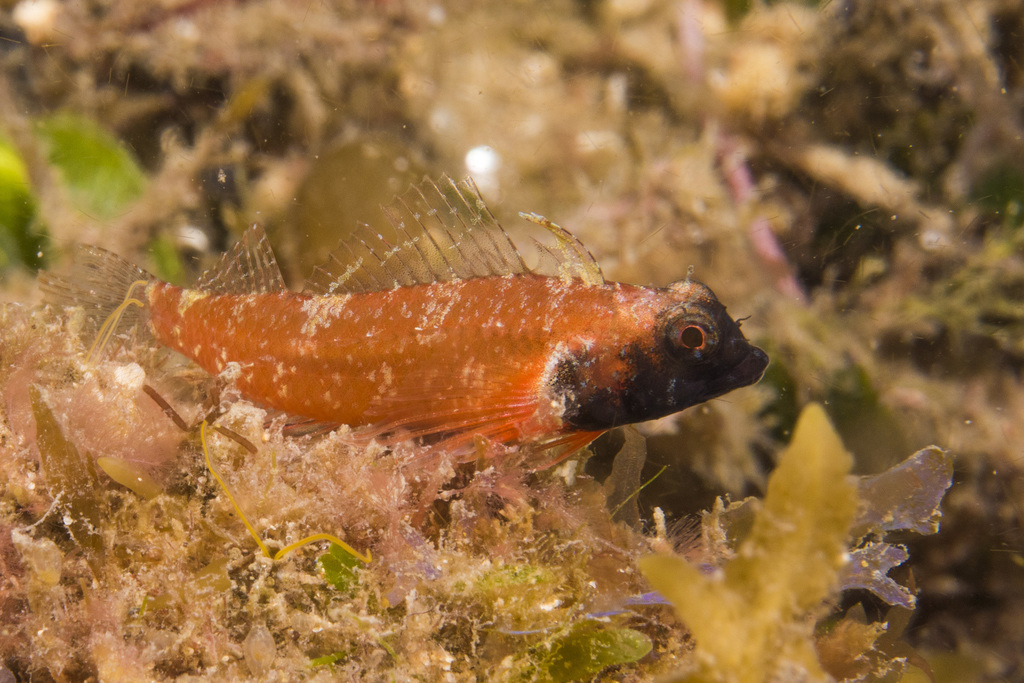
point(340, 568)
point(587, 649)
point(754, 620)
point(100, 174)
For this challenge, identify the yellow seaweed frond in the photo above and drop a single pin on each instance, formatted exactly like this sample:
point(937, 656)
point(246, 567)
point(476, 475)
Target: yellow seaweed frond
point(756, 616)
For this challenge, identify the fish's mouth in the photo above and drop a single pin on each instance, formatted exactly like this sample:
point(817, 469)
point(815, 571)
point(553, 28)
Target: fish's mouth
point(751, 369)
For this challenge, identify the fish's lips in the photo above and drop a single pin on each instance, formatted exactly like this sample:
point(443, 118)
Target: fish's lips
point(751, 369)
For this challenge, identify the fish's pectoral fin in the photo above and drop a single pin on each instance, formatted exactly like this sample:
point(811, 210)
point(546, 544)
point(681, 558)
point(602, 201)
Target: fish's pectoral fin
point(450, 408)
point(248, 267)
point(455, 425)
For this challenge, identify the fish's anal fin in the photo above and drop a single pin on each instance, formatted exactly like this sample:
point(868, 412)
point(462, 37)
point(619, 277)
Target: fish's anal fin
point(249, 267)
point(444, 231)
point(572, 260)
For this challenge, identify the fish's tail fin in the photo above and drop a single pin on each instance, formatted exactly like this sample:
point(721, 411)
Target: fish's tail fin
point(108, 288)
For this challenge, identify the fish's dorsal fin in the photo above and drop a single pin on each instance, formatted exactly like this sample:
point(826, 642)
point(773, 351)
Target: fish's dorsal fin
point(445, 232)
point(569, 258)
point(249, 267)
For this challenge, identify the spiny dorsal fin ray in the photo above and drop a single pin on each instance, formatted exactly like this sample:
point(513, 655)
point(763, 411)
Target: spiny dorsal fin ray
point(249, 267)
point(444, 232)
point(570, 257)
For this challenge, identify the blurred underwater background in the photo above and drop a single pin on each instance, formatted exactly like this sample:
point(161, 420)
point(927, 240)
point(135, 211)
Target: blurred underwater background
point(847, 176)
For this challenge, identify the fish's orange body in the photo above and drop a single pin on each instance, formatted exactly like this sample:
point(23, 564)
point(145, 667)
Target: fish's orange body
point(446, 336)
point(478, 349)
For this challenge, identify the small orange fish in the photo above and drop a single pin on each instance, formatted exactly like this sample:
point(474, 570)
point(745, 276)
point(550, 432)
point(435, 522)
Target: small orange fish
point(445, 336)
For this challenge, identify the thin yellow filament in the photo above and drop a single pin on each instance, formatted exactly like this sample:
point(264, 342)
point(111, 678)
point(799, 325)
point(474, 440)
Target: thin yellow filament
point(637, 492)
point(110, 324)
point(367, 558)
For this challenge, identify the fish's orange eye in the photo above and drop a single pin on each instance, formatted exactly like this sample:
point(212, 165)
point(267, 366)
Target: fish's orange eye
point(691, 337)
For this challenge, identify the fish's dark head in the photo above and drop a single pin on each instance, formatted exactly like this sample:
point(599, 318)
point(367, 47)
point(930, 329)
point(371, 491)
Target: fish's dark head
point(689, 351)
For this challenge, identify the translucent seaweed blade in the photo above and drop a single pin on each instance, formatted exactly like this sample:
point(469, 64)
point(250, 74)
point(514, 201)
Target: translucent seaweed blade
point(869, 567)
point(624, 481)
point(72, 478)
point(131, 476)
point(907, 496)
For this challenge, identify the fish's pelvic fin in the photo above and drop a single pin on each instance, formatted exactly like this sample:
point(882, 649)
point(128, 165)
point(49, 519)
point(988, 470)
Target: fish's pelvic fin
point(444, 232)
point(106, 286)
point(249, 267)
point(296, 425)
point(562, 446)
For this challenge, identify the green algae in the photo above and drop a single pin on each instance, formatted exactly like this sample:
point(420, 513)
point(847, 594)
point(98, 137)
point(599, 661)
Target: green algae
point(130, 476)
point(972, 318)
point(101, 175)
point(340, 568)
point(21, 242)
point(584, 651)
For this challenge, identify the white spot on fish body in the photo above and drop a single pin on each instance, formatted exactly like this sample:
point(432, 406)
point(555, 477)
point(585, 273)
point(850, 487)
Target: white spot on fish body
point(189, 297)
point(388, 376)
point(320, 310)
